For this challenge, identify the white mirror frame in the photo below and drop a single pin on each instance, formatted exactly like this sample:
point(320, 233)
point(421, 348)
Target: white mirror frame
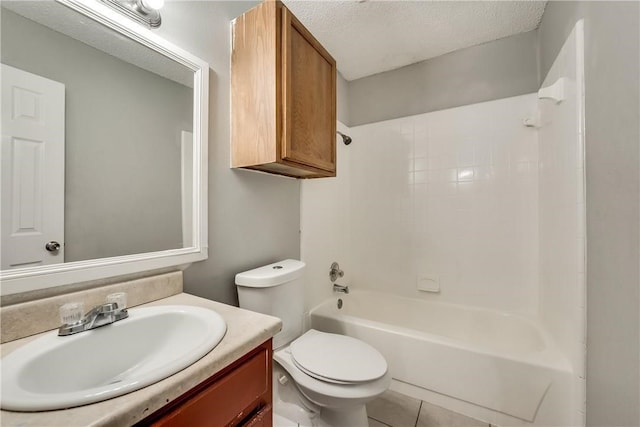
point(36, 278)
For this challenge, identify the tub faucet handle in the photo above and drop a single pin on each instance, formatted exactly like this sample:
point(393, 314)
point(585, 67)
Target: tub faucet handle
point(335, 272)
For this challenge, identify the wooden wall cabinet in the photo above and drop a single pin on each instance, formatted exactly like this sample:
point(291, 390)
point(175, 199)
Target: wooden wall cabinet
point(240, 394)
point(283, 96)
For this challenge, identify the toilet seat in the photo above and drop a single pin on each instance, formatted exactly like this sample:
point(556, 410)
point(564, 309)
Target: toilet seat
point(337, 359)
point(318, 377)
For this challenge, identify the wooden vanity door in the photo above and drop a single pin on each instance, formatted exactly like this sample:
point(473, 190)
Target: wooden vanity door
point(309, 98)
point(239, 395)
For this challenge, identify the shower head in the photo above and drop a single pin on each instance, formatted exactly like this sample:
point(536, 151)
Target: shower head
point(345, 138)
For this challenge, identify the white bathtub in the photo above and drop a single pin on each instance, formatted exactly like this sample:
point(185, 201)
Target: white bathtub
point(493, 366)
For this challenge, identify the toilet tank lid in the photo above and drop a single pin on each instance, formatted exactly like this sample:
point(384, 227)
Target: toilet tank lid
point(271, 275)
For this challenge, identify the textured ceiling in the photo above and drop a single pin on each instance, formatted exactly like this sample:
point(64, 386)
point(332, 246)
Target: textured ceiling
point(369, 37)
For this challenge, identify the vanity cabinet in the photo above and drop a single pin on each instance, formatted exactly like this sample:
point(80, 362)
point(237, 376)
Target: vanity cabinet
point(240, 394)
point(283, 96)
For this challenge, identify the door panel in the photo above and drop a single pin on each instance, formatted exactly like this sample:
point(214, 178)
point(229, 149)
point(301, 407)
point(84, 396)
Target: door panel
point(310, 112)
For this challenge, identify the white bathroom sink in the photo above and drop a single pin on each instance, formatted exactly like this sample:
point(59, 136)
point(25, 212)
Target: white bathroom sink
point(153, 343)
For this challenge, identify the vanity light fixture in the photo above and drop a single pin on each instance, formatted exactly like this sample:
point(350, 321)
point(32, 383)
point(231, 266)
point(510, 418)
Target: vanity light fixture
point(145, 12)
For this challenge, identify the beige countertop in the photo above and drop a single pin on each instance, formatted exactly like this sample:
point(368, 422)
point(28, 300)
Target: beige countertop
point(245, 331)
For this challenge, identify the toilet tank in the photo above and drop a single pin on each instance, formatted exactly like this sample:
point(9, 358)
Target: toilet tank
point(275, 289)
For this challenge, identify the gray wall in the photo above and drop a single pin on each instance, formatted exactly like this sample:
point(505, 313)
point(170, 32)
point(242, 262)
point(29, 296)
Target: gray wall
point(342, 99)
point(494, 70)
point(254, 218)
point(613, 206)
point(122, 172)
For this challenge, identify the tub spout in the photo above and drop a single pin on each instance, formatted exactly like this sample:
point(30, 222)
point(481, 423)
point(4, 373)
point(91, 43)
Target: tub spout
point(340, 288)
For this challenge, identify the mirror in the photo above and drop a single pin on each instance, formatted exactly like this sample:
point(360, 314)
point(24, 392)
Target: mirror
point(103, 147)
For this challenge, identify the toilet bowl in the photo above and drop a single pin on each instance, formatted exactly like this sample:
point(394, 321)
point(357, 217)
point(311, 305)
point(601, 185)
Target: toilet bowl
point(336, 401)
point(320, 379)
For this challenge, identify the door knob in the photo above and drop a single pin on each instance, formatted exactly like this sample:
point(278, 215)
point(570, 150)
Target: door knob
point(52, 246)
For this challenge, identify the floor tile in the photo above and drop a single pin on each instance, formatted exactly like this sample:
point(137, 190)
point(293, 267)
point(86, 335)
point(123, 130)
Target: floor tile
point(435, 416)
point(376, 423)
point(280, 421)
point(394, 409)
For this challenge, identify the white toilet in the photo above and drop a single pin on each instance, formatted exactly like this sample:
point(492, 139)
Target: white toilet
point(319, 379)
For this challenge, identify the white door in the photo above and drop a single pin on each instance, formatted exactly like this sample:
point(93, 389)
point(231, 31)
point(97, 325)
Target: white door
point(32, 188)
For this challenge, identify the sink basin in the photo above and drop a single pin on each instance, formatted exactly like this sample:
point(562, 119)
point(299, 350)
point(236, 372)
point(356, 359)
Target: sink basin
point(153, 343)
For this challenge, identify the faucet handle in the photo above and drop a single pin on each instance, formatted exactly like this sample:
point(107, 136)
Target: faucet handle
point(71, 312)
point(119, 298)
point(335, 272)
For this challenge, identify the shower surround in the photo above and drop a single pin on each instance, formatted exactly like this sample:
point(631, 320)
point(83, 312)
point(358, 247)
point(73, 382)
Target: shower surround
point(466, 206)
point(449, 199)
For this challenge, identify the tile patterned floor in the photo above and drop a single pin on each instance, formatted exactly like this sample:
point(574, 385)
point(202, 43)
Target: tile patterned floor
point(397, 410)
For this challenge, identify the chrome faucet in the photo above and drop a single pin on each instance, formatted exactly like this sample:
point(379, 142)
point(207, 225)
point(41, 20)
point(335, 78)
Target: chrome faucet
point(100, 315)
point(340, 288)
point(335, 272)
